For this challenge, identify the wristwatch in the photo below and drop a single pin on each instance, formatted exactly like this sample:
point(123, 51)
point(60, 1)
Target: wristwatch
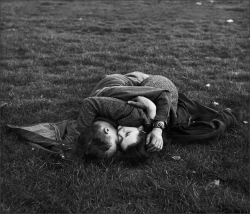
point(159, 124)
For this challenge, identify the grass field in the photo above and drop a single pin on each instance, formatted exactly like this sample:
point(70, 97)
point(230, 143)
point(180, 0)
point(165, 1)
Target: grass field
point(52, 55)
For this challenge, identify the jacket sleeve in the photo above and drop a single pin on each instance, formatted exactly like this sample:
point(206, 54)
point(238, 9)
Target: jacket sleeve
point(161, 98)
point(108, 107)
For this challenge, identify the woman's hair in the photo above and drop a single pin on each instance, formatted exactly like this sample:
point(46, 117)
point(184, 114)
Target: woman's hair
point(137, 152)
point(92, 143)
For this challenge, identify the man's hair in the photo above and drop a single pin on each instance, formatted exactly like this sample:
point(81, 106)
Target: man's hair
point(92, 143)
point(137, 151)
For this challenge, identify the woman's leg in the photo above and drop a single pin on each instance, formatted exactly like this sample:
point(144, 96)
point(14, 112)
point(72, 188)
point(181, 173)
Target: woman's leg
point(199, 123)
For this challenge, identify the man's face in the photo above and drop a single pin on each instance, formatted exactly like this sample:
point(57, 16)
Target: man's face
point(111, 136)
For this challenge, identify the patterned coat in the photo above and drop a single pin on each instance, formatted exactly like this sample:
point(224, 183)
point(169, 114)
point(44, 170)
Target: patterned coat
point(162, 82)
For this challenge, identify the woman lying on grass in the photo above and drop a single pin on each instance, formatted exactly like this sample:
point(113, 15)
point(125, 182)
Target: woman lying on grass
point(195, 123)
point(188, 122)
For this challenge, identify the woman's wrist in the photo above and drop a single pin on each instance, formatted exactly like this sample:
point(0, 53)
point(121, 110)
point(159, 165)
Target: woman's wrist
point(159, 130)
point(159, 124)
point(151, 111)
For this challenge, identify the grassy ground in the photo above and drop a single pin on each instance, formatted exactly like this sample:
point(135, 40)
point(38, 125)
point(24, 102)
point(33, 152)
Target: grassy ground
point(54, 52)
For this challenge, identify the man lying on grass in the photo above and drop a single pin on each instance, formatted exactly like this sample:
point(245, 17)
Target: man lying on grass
point(101, 115)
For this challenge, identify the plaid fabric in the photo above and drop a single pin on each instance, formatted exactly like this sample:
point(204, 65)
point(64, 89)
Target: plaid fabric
point(162, 82)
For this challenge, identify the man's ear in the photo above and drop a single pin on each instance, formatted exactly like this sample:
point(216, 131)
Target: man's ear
point(106, 130)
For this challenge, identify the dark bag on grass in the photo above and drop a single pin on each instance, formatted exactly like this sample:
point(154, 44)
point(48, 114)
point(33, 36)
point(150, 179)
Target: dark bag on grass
point(45, 136)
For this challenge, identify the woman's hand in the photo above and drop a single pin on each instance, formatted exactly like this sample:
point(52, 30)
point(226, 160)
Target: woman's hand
point(154, 142)
point(146, 104)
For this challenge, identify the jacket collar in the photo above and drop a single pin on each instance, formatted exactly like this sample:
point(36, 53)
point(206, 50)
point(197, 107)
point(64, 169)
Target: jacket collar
point(112, 122)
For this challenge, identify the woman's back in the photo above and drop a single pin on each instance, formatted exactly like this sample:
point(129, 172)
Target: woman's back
point(162, 82)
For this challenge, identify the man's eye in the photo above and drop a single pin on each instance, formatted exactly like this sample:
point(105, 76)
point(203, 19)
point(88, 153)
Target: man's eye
point(128, 134)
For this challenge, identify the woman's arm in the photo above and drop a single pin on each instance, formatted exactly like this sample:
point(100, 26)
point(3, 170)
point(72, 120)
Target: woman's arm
point(154, 139)
point(146, 104)
point(161, 98)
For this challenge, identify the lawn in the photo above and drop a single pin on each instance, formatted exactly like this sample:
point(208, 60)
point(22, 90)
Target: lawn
point(52, 55)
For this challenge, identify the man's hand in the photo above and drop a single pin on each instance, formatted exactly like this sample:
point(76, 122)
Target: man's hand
point(146, 104)
point(154, 141)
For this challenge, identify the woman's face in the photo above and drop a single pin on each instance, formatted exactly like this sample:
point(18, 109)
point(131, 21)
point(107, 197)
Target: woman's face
point(128, 135)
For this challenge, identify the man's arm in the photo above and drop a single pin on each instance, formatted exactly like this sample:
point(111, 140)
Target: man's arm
point(112, 108)
point(146, 104)
point(161, 98)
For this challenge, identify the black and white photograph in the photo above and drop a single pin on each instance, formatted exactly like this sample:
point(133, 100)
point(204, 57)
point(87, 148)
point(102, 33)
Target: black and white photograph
point(124, 106)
